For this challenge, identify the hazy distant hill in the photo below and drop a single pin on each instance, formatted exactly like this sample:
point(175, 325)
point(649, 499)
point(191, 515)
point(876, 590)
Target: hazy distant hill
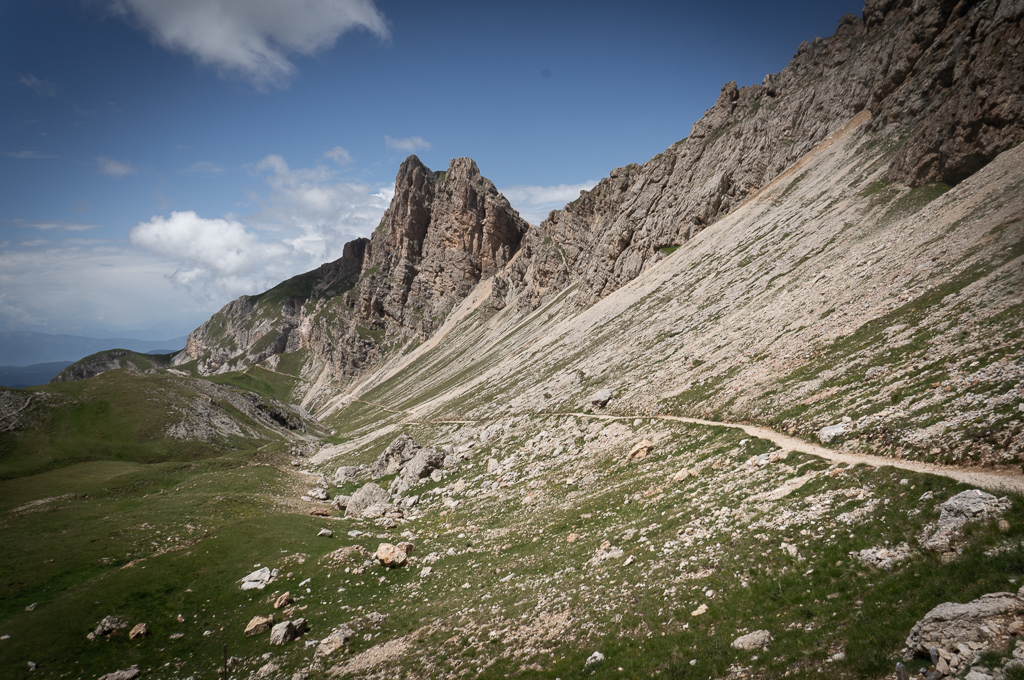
point(24, 348)
point(26, 376)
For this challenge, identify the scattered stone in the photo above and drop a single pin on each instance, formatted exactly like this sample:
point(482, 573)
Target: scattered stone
point(967, 506)
point(257, 580)
point(391, 556)
point(407, 548)
point(32, 665)
point(436, 476)
point(326, 533)
point(605, 552)
point(571, 538)
point(318, 494)
point(426, 571)
point(601, 398)
point(319, 512)
point(340, 502)
point(140, 630)
point(492, 465)
point(680, 476)
point(109, 625)
point(759, 639)
point(129, 674)
point(641, 449)
point(176, 636)
point(31, 607)
point(284, 600)
point(368, 497)
point(699, 610)
point(882, 558)
point(259, 624)
point(282, 633)
point(596, 657)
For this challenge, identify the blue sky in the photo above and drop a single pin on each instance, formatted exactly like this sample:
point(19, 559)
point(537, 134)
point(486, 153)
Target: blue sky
point(159, 158)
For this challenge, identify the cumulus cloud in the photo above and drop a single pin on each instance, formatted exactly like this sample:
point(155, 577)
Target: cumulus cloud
point(408, 144)
point(339, 155)
point(215, 257)
point(305, 218)
point(43, 88)
point(108, 166)
point(535, 202)
point(252, 39)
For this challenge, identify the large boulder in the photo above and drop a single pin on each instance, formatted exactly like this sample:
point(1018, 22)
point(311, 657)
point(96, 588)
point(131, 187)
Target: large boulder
point(397, 454)
point(961, 631)
point(338, 638)
point(346, 473)
point(259, 624)
point(759, 639)
point(391, 556)
point(367, 496)
point(423, 463)
point(282, 633)
point(601, 398)
point(967, 506)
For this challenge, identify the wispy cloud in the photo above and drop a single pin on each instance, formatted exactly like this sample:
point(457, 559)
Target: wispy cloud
point(252, 39)
point(339, 155)
point(535, 202)
point(43, 88)
point(407, 144)
point(52, 225)
point(204, 168)
point(29, 154)
point(108, 166)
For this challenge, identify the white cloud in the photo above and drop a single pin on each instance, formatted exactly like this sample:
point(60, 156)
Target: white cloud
point(108, 166)
point(252, 38)
point(204, 168)
point(535, 202)
point(408, 144)
point(339, 155)
point(305, 219)
point(43, 88)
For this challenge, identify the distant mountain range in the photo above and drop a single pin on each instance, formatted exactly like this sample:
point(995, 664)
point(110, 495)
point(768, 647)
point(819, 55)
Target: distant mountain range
point(24, 348)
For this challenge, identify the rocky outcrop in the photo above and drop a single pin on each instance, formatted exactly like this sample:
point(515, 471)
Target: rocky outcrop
point(442, 234)
point(959, 632)
point(255, 327)
point(112, 360)
point(950, 75)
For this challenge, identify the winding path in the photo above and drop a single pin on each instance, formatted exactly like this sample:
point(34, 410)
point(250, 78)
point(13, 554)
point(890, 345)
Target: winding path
point(1009, 480)
point(994, 480)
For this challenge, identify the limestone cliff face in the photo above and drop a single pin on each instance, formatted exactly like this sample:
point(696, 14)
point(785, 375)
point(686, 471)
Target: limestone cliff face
point(443, 232)
point(951, 75)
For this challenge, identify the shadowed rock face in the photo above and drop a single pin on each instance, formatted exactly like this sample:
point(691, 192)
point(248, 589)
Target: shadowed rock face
point(950, 74)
